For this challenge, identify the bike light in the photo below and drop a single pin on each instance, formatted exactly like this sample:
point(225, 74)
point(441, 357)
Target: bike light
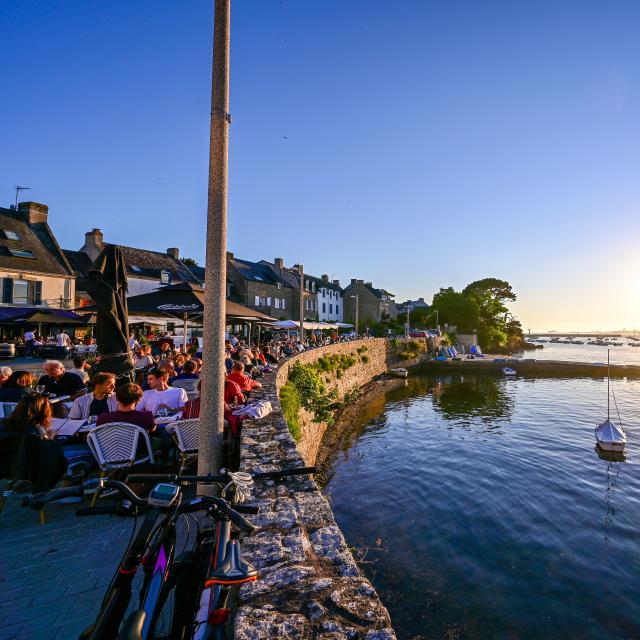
point(219, 616)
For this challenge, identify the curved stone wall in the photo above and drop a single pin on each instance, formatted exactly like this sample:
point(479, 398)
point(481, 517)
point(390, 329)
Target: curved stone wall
point(310, 585)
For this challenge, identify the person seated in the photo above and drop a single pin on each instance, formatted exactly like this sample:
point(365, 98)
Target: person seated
point(233, 393)
point(160, 394)
point(80, 366)
point(5, 374)
point(228, 361)
point(32, 416)
point(60, 382)
point(100, 400)
point(238, 376)
point(178, 363)
point(258, 356)
point(143, 358)
point(127, 397)
point(191, 410)
point(16, 387)
point(249, 365)
point(188, 379)
point(268, 356)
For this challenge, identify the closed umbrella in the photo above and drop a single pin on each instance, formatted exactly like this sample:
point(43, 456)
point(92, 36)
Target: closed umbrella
point(107, 285)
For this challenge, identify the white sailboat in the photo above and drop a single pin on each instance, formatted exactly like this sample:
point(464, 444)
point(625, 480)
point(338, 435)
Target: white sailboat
point(610, 437)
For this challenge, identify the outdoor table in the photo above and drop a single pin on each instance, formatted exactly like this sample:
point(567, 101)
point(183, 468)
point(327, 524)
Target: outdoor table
point(65, 427)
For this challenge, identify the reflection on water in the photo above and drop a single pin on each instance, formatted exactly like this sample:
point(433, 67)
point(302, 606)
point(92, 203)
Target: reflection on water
point(484, 511)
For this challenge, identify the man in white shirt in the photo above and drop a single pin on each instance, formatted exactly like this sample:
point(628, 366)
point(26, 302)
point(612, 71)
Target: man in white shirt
point(63, 341)
point(161, 395)
point(133, 343)
point(29, 339)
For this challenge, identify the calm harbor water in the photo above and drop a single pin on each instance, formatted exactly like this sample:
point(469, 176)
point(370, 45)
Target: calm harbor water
point(482, 509)
point(623, 354)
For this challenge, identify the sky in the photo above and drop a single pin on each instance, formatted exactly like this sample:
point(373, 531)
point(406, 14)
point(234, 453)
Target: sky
point(413, 144)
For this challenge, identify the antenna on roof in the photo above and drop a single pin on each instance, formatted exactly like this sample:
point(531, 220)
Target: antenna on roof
point(18, 190)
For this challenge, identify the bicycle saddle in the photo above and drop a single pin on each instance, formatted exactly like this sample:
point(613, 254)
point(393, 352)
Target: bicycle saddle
point(233, 569)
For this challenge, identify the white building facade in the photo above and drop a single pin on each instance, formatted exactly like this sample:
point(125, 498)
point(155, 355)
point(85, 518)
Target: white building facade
point(330, 300)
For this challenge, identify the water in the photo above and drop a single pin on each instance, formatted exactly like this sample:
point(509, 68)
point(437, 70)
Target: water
point(482, 510)
point(623, 354)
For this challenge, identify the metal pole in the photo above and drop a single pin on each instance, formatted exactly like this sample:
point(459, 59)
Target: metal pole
point(301, 271)
point(184, 343)
point(212, 393)
point(357, 311)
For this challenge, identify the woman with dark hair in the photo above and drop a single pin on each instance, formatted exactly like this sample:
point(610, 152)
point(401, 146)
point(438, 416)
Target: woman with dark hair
point(32, 417)
point(16, 387)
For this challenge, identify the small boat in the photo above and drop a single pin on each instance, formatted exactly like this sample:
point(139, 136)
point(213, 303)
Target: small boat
point(508, 371)
point(399, 372)
point(609, 436)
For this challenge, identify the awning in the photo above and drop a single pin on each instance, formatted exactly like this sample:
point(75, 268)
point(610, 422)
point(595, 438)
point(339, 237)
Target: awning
point(157, 320)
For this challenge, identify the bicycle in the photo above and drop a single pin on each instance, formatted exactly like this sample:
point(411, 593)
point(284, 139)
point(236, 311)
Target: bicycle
point(213, 566)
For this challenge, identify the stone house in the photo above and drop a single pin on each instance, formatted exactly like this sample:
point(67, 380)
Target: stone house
point(146, 270)
point(259, 287)
point(401, 307)
point(33, 268)
point(374, 305)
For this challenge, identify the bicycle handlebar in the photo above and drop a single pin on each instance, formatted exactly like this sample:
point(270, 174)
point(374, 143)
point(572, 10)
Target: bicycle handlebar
point(211, 479)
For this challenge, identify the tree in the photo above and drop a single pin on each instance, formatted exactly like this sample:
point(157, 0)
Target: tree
point(490, 294)
point(189, 262)
point(457, 309)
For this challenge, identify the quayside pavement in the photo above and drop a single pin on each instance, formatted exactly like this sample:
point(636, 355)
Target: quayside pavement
point(53, 577)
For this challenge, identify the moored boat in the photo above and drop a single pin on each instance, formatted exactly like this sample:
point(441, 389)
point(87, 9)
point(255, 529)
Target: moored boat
point(399, 372)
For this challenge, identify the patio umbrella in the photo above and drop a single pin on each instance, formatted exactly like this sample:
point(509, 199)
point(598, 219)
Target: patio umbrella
point(107, 285)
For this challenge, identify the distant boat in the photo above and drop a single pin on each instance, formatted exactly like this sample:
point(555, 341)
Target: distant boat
point(399, 372)
point(508, 371)
point(610, 437)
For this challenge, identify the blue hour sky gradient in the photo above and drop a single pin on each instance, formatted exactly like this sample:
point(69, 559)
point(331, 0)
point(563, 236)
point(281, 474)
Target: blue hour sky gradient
point(413, 144)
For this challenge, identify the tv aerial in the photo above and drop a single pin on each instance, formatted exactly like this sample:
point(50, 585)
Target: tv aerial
point(18, 190)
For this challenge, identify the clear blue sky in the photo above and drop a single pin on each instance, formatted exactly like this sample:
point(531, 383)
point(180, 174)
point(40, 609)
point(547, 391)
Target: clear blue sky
point(414, 144)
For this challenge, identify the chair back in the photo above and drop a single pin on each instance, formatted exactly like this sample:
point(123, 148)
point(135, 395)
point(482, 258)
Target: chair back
point(114, 444)
point(6, 408)
point(186, 434)
point(190, 386)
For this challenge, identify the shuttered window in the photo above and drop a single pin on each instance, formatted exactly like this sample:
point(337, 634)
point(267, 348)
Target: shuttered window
point(7, 290)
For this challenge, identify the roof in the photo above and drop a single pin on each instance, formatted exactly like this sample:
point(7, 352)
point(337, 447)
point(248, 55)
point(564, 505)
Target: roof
point(378, 293)
point(80, 262)
point(290, 274)
point(142, 263)
point(37, 239)
point(257, 272)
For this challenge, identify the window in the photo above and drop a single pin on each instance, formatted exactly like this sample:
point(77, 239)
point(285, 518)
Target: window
point(330, 308)
point(337, 310)
point(21, 253)
point(279, 285)
point(165, 277)
point(228, 290)
point(284, 306)
point(306, 285)
point(313, 287)
point(20, 292)
point(256, 302)
point(263, 302)
point(268, 302)
point(10, 235)
point(324, 307)
point(276, 303)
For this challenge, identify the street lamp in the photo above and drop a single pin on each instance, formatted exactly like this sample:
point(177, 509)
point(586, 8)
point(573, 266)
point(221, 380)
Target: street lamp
point(357, 299)
point(407, 327)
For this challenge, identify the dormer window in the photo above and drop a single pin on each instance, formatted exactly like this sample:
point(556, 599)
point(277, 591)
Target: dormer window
point(279, 285)
point(165, 277)
point(313, 287)
point(21, 253)
point(10, 235)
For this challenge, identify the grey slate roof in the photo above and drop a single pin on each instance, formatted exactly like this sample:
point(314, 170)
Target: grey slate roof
point(291, 276)
point(257, 272)
point(37, 238)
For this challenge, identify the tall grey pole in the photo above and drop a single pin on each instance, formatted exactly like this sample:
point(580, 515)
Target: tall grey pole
point(212, 392)
point(301, 271)
point(357, 311)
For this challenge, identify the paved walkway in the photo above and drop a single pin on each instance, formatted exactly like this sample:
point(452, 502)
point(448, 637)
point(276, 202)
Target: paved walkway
point(53, 576)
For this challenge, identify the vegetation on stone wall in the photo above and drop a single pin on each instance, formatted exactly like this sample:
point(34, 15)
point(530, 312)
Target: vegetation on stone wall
point(408, 349)
point(307, 387)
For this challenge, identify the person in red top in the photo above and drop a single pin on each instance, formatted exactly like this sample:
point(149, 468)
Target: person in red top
point(243, 381)
point(233, 393)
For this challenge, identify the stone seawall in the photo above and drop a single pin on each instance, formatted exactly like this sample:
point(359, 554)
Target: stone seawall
point(310, 586)
point(352, 378)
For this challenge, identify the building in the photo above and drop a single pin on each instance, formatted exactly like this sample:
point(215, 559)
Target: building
point(259, 287)
point(374, 305)
point(330, 300)
point(146, 270)
point(322, 299)
point(401, 307)
point(34, 270)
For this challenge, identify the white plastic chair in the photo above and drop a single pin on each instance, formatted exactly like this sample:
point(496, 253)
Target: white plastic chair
point(185, 435)
point(114, 446)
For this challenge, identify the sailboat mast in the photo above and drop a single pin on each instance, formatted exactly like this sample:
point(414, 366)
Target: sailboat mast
point(608, 382)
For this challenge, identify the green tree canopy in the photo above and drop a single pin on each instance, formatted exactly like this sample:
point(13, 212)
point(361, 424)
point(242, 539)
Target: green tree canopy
point(490, 294)
point(457, 309)
point(190, 262)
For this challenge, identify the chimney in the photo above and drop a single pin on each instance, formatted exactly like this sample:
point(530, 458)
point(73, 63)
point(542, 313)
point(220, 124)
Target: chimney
point(33, 212)
point(278, 264)
point(93, 243)
point(229, 255)
point(324, 277)
point(354, 281)
point(369, 284)
point(336, 282)
point(174, 252)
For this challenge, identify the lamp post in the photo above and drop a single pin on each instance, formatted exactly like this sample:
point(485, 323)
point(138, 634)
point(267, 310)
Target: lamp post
point(212, 393)
point(407, 328)
point(357, 299)
point(301, 272)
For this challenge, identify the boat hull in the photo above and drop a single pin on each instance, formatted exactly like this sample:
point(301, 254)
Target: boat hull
point(399, 372)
